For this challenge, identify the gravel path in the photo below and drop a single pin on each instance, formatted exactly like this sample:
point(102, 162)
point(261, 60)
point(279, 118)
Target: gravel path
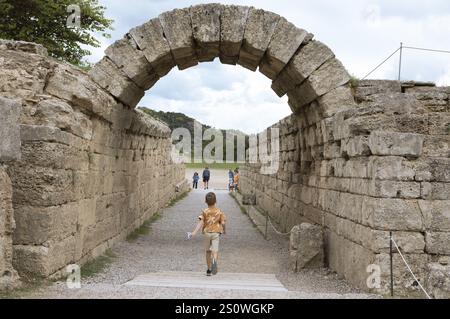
point(243, 250)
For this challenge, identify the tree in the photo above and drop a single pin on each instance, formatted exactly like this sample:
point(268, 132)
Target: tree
point(45, 22)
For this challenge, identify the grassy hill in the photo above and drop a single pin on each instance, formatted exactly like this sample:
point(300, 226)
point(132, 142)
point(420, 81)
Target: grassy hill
point(177, 120)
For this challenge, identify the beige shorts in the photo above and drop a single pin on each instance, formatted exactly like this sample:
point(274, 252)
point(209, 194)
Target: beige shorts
point(212, 241)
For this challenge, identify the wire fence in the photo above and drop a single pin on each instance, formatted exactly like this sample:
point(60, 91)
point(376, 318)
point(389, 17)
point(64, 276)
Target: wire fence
point(400, 51)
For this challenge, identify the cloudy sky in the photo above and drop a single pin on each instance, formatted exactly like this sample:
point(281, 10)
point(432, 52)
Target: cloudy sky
point(361, 33)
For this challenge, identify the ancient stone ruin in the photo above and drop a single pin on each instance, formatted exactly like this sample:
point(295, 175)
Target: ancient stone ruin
point(82, 168)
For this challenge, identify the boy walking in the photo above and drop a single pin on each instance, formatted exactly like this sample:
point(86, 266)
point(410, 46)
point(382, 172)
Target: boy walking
point(212, 222)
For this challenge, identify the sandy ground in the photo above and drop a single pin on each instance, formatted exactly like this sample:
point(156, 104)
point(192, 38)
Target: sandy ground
point(243, 250)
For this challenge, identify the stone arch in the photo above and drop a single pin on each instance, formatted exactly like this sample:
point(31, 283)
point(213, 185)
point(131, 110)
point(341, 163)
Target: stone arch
point(298, 66)
point(361, 159)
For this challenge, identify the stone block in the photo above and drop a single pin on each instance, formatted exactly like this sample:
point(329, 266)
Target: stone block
point(177, 28)
point(43, 261)
point(60, 114)
point(152, 42)
point(392, 214)
point(41, 186)
point(38, 225)
point(355, 146)
point(9, 130)
point(55, 155)
point(259, 30)
point(404, 283)
point(126, 56)
point(436, 191)
point(337, 100)
point(75, 87)
point(328, 77)
point(395, 144)
point(205, 20)
point(436, 146)
point(306, 247)
point(437, 282)
point(390, 168)
point(436, 214)
point(348, 259)
point(233, 20)
point(437, 243)
point(249, 199)
point(106, 74)
point(37, 133)
point(23, 74)
point(394, 189)
point(365, 89)
point(308, 59)
point(28, 47)
point(408, 242)
point(286, 39)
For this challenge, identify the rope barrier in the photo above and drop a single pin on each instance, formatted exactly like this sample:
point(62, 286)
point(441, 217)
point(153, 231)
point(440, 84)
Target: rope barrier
point(276, 231)
point(409, 268)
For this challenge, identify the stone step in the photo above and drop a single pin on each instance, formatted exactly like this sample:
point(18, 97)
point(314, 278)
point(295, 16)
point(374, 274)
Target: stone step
point(223, 281)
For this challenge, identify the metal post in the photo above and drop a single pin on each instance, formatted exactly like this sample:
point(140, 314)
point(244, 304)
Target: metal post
point(400, 62)
point(392, 267)
point(267, 224)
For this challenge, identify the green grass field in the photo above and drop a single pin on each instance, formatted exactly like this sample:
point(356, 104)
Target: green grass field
point(225, 166)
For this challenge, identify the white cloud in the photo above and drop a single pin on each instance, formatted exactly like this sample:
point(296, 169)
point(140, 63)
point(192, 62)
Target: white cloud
point(361, 33)
point(246, 102)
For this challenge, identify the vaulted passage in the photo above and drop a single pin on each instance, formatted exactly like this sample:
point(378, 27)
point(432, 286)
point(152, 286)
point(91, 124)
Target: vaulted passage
point(358, 158)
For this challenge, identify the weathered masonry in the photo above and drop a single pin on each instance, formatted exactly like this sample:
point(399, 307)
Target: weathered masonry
point(359, 159)
point(362, 167)
point(84, 169)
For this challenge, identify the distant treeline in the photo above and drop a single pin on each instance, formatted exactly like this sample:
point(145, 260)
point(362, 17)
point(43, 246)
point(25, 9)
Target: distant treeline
point(177, 120)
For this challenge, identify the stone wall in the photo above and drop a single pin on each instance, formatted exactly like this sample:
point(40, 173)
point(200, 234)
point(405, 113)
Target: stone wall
point(91, 169)
point(377, 164)
point(9, 151)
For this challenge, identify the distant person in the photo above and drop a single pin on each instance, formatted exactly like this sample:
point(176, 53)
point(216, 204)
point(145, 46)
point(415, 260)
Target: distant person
point(195, 179)
point(230, 180)
point(236, 180)
point(206, 176)
point(212, 223)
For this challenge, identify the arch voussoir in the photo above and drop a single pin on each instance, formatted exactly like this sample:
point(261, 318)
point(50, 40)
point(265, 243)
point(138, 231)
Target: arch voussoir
point(259, 30)
point(125, 54)
point(151, 40)
point(205, 20)
point(329, 76)
point(308, 59)
point(233, 20)
point(286, 39)
point(106, 74)
point(177, 28)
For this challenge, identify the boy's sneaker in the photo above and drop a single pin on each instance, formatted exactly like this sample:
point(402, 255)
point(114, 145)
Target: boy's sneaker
point(208, 272)
point(214, 267)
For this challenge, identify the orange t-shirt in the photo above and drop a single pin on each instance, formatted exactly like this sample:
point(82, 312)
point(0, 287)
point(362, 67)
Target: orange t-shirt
point(236, 178)
point(213, 220)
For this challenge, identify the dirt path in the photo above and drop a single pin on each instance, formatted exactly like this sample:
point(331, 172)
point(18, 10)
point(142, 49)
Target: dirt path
point(164, 249)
